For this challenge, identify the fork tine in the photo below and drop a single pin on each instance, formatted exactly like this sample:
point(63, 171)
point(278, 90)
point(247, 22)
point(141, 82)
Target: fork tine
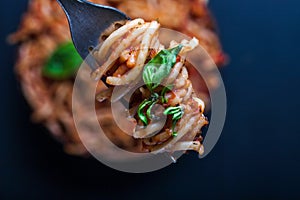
point(87, 21)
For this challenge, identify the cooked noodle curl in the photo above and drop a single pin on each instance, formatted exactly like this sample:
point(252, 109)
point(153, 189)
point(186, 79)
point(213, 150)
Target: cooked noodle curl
point(123, 56)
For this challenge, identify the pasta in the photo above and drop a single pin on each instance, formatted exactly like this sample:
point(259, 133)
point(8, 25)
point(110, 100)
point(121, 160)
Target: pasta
point(44, 27)
point(134, 53)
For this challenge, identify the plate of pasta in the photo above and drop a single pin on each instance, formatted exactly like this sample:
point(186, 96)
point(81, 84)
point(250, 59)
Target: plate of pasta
point(48, 67)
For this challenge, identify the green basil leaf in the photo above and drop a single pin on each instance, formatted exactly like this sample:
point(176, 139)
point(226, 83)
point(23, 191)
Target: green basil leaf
point(149, 109)
point(177, 116)
point(63, 63)
point(171, 110)
point(174, 134)
point(177, 113)
point(160, 66)
point(141, 115)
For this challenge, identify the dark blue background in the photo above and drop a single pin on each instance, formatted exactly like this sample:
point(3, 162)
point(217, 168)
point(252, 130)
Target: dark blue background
point(257, 155)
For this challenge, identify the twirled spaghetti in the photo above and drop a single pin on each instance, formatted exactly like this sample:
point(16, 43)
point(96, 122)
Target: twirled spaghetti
point(165, 112)
point(44, 27)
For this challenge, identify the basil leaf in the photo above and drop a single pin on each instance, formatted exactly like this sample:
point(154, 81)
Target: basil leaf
point(141, 115)
point(160, 66)
point(177, 116)
point(151, 102)
point(149, 109)
point(174, 133)
point(171, 110)
point(63, 63)
point(177, 113)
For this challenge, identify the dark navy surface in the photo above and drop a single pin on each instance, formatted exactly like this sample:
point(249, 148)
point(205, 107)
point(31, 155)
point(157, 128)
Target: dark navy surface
point(257, 156)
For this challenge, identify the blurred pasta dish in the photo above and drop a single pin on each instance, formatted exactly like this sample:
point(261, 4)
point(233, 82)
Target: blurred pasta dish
point(44, 37)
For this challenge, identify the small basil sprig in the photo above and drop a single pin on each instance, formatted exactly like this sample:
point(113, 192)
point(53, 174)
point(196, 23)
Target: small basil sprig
point(150, 103)
point(154, 72)
point(160, 66)
point(177, 113)
point(63, 63)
